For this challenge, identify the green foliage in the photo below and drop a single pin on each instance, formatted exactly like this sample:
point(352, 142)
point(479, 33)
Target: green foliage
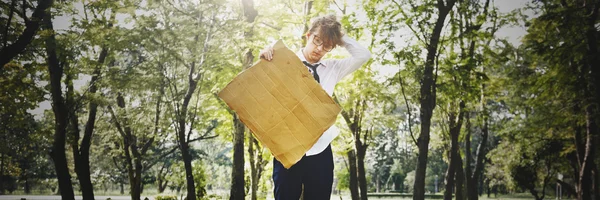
point(165, 197)
point(534, 95)
point(343, 179)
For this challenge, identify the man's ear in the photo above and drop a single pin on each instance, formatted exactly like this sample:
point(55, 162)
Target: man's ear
point(307, 35)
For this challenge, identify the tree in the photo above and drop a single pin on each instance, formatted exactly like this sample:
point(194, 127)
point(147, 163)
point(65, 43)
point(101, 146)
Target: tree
point(460, 73)
point(81, 145)
point(430, 37)
point(200, 30)
point(134, 148)
point(22, 134)
point(237, 174)
point(554, 49)
point(60, 112)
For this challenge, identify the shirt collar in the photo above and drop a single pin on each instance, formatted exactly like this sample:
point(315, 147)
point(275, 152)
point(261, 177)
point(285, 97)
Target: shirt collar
point(302, 58)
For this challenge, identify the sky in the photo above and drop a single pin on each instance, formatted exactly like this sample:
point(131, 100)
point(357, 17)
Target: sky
point(512, 34)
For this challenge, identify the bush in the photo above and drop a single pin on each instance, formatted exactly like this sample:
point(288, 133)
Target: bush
point(165, 197)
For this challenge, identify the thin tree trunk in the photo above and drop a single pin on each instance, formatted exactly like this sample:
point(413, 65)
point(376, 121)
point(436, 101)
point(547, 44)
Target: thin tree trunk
point(353, 178)
point(427, 99)
point(1, 172)
point(162, 182)
point(460, 177)
point(593, 63)
point(27, 186)
point(454, 172)
point(481, 152)
point(185, 149)
point(133, 151)
point(469, 183)
point(257, 165)
point(82, 153)
point(122, 187)
point(361, 172)
point(596, 182)
point(584, 188)
point(60, 110)
point(193, 79)
point(82, 167)
point(353, 119)
point(307, 6)
point(138, 177)
point(253, 166)
point(449, 180)
point(377, 183)
point(237, 171)
point(255, 155)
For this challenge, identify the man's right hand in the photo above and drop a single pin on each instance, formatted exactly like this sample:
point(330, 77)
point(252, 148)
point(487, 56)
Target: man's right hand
point(267, 53)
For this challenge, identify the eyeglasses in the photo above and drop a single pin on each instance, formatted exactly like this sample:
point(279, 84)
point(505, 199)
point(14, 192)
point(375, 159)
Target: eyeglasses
point(317, 41)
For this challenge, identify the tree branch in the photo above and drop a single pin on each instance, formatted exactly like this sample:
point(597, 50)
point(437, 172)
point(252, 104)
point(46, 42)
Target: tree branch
point(271, 26)
point(409, 111)
point(8, 53)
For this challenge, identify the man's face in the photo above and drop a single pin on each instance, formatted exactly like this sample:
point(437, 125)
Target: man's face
point(316, 48)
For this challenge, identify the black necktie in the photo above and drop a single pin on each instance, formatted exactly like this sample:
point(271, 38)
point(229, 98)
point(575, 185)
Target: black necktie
point(313, 69)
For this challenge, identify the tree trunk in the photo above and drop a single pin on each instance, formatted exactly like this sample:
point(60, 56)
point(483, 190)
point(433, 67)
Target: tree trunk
point(134, 188)
point(187, 161)
point(253, 166)
point(592, 112)
point(377, 183)
point(257, 165)
point(193, 79)
point(427, 100)
point(362, 177)
point(469, 182)
point(584, 188)
point(479, 165)
point(162, 183)
point(133, 152)
point(353, 119)
point(81, 159)
point(353, 178)
point(138, 177)
point(596, 182)
point(141, 187)
point(454, 174)
point(60, 110)
point(83, 152)
point(27, 187)
point(449, 187)
point(460, 177)
point(31, 27)
point(361, 150)
point(1, 172)
point(237, 171)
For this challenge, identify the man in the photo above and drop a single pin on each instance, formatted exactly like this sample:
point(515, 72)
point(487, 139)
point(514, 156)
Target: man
point(315, 169)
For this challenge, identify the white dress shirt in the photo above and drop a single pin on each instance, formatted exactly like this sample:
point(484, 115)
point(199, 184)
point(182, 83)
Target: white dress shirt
point(330, 72)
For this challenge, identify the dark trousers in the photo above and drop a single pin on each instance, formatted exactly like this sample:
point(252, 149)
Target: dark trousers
point(314, 172)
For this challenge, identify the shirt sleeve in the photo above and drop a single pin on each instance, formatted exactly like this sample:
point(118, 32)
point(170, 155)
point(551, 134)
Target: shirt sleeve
point(359, 56)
